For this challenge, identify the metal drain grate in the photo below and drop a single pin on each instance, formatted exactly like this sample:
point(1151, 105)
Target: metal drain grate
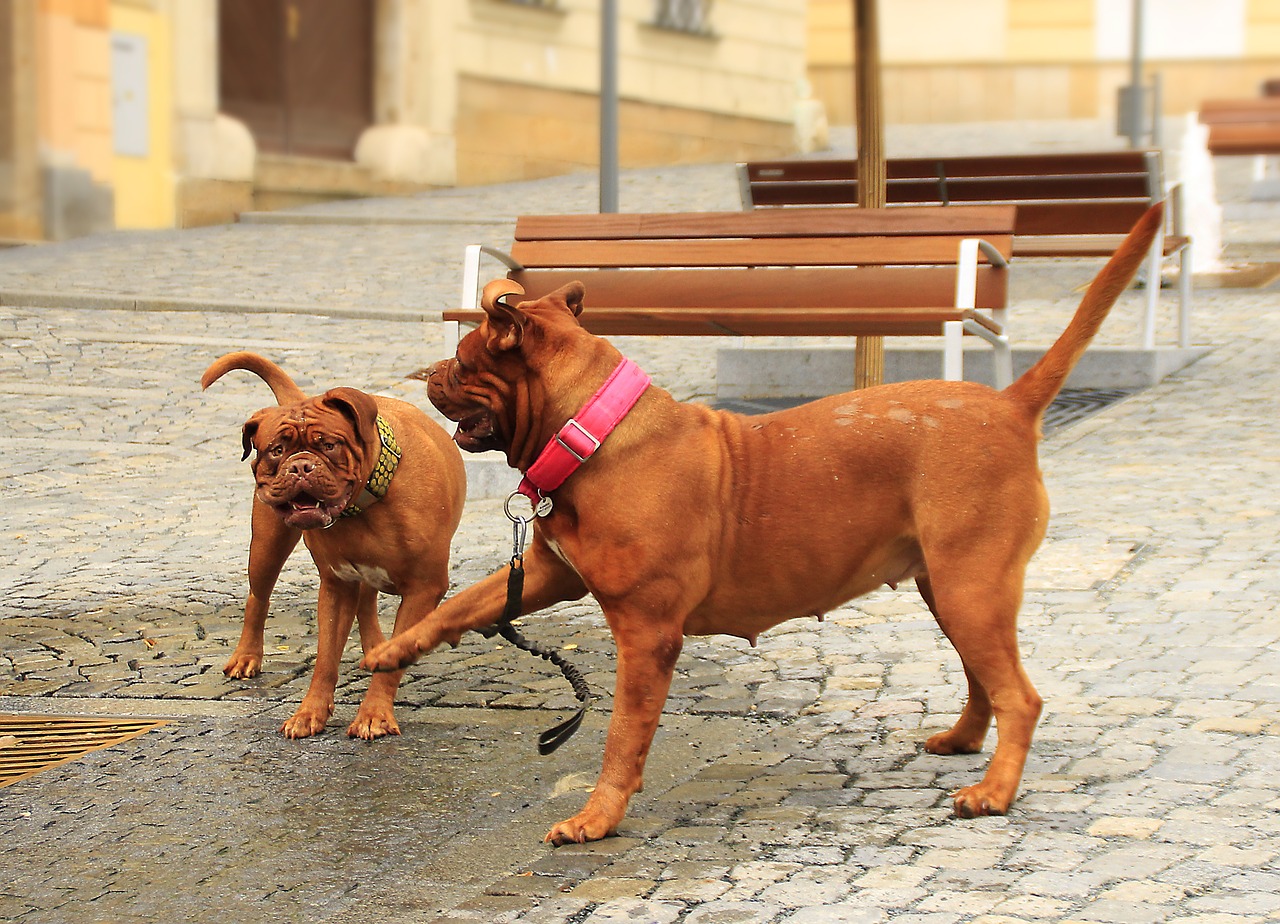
point(1071, 406)
point(31, 743)
point(1075, 404)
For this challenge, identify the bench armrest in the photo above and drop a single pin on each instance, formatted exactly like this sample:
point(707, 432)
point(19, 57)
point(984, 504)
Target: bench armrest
point(471, 286)
point(967, 268)
point(1176, 218)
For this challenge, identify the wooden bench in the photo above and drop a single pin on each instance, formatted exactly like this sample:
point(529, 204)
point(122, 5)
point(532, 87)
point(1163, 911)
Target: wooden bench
point(1243, 126)
point(1069, 205)
point(795, 272)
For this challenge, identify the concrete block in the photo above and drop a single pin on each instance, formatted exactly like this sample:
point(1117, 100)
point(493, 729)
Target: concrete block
point(772, 372)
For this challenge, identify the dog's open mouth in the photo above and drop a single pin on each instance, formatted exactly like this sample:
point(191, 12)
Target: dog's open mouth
point(476, 433)
point(305, 511)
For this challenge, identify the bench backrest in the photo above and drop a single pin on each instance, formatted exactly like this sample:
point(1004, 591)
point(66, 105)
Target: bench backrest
point(826, 258)
point(1242, 126)
point(1101, 192)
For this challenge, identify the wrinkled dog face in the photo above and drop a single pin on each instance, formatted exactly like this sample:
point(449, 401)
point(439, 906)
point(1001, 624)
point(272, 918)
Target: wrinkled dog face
point(309, 459)
point(467, 390)
point(480, 389)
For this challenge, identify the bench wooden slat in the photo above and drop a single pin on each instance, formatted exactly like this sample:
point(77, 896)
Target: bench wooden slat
point(1219, 111)
point(999, 189)
point(802, 251)
point(827, 287)
point(1064, 164)
point(1083, 245)
point(962, 221)
point(771, 321)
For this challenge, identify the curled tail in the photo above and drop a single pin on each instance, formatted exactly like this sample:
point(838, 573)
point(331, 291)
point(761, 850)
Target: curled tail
point(1040, 384)
point(282, 386)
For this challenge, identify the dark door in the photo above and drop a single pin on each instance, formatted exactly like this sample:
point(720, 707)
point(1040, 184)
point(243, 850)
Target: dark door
point(299, 73)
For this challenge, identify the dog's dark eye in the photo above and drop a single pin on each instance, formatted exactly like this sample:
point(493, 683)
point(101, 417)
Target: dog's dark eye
point(275, 451)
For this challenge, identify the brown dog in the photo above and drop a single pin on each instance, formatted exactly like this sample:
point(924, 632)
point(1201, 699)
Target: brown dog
point(690, 521)
point(375, 488)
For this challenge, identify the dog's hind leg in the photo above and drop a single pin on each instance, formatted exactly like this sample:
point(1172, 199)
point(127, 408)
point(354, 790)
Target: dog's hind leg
point(976, 605)
point(967, 735)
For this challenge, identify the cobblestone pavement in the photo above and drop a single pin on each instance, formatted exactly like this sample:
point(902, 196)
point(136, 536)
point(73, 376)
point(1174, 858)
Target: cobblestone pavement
point(788, 783)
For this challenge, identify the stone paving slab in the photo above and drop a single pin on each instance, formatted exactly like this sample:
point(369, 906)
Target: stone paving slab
point(788, 782)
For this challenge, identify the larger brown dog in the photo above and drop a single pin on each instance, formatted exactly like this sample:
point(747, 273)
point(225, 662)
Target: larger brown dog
point(375, 489)
point(689, 521)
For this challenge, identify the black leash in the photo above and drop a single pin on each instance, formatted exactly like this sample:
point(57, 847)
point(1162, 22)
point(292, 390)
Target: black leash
point(552, 738)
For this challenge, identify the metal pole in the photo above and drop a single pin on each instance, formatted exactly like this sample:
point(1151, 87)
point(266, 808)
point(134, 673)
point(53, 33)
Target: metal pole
point(1137, 119)
point(608, 105)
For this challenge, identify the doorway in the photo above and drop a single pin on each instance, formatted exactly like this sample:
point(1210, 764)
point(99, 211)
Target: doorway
point(298, 73)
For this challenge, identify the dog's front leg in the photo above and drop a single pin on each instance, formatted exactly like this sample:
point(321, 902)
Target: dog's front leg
point(646, 661)
point(335, 613)
point(270, 545)
point(547, 580)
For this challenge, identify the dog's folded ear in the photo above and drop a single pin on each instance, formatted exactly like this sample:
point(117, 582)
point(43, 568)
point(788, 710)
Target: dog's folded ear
point(250, 431)
point(358, 407)
point(506, 321)
point(569, 295)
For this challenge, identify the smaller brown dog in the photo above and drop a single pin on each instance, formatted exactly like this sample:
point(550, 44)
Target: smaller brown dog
point(375, 489)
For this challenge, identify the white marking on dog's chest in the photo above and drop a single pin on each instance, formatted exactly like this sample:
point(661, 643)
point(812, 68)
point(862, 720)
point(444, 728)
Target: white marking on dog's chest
point(377, 578)
point(559, 553)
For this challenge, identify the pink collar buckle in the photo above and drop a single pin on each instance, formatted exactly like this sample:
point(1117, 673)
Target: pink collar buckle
point(583, 433)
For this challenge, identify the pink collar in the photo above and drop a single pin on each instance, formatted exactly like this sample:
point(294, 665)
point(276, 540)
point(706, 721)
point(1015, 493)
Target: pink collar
point(582, 435)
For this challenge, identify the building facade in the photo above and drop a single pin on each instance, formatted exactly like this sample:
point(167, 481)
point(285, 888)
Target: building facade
point(162, 113)
point(1001, 60)
point(155, 113)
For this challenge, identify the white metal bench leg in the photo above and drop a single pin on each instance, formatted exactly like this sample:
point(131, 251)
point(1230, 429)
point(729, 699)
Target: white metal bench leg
point(1184, 297)
point(953, 351)
point(1003, 360)
point(1154, 265)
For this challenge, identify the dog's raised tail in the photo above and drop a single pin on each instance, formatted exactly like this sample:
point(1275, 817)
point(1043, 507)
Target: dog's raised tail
point(1040, 384)
point(283, 387)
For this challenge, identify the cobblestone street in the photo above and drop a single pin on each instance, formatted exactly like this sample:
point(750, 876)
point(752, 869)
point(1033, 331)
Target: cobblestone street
point(788, 782)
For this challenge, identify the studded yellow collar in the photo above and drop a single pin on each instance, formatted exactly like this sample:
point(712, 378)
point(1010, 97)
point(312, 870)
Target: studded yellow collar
point(388, 460)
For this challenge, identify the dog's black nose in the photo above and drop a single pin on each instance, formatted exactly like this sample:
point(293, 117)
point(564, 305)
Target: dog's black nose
point(300, 467)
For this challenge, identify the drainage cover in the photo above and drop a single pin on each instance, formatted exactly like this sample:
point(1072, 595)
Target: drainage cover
point(31, 743)
point(1075, 404)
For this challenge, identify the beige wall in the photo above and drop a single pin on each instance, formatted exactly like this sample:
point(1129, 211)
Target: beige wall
point(509, 131)
point(748, 66)
point(74, 84)
point(21, 186)
point(532, 74)
point(145, 185)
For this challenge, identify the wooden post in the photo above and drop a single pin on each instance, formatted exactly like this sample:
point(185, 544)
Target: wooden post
point(868, 365)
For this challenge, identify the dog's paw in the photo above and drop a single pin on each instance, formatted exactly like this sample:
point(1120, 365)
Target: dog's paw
point(977, 801)
point(583, 827)
point(307, 721)
point(397, 653)
point(950, 742)
point(243, 665)
point(373, 725)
